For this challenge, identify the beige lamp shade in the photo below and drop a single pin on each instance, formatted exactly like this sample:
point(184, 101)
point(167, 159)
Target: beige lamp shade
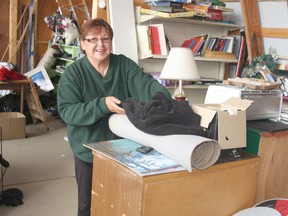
point(180, 65)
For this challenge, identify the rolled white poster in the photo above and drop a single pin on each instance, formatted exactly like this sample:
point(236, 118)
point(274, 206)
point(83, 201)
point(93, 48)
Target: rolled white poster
point(190, 151)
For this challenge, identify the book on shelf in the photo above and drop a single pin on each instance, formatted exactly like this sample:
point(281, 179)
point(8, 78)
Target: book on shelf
point(199, 48)
point(214, 15)
point(196, 8)
point(230, 44)
point(221, 45)
point(166, 4)
point(212, 43)
point(222, 8)
point(186, 43)
point(225, 46)
point(198, 40)
point(216, 45)
point(190, 43)
point(203, 2)
point(154, 38)
point(168, 9)
point(167, 15)
point(144, 44)
point(241, 53)
point(160, 39)
point(207, 41)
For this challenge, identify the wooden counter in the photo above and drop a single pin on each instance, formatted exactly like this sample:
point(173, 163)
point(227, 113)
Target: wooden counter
point(220, 190)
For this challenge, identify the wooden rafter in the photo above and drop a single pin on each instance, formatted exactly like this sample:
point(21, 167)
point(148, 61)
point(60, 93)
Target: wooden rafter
point(252, 25)
point(274, 32)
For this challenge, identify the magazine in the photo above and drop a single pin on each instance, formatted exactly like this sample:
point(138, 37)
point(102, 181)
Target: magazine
point(124, 152)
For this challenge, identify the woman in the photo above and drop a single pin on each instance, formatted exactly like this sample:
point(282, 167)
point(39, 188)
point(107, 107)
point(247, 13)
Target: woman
point(90, 91)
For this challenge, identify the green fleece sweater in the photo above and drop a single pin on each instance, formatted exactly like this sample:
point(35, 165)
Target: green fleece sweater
point(81, 98)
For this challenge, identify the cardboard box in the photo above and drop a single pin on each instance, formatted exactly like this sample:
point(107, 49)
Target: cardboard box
point(13, 125)
point(231, 121)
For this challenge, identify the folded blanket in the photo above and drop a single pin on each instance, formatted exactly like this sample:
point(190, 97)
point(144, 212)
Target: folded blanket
point(163, 116)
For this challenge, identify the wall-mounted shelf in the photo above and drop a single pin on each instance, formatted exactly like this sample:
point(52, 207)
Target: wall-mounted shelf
point(180, 29)
point(198, 58)
point(191, 21)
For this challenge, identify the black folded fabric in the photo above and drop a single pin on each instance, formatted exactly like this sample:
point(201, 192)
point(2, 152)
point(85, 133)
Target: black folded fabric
point(163, 116)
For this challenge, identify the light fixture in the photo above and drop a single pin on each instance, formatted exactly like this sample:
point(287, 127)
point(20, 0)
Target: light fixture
point(180, 65)
point(102, 4)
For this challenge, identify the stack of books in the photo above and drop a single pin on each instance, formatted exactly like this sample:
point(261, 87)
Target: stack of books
point(197, 44)
point(186, 8)
point(203, 43)
point(167, 6)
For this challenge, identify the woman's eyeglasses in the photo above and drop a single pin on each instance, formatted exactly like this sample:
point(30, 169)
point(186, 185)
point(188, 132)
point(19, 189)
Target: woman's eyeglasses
point(96, 40)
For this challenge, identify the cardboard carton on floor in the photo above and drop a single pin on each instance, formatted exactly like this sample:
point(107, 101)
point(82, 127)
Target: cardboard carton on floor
point(13, 125)
point(230, 121)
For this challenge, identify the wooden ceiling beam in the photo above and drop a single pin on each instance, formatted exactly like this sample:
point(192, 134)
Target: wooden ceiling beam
point(252, 25)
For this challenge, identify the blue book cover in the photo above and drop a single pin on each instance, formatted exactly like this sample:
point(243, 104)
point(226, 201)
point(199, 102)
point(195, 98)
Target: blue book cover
point(124, 152)
point(226, 45)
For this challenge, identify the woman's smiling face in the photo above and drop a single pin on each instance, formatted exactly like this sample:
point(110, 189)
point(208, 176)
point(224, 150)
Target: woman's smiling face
point(97, 44)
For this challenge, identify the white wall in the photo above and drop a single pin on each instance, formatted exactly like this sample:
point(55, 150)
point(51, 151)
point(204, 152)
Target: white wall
point(273, 14)
point(123, 23)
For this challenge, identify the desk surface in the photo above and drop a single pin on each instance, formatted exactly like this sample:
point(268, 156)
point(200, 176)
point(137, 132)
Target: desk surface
point(124, 152)
point(222, 189)
point(266, 125)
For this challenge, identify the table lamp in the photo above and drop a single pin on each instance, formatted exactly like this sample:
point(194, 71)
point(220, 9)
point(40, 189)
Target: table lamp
point(180, 65)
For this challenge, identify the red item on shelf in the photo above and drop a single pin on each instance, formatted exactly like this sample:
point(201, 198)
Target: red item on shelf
point(8, 75)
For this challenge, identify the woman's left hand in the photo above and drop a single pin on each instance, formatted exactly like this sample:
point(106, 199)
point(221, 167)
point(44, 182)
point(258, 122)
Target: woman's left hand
point(113, 105)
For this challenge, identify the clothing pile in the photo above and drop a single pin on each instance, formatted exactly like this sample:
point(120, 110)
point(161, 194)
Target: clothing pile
point(163, 116)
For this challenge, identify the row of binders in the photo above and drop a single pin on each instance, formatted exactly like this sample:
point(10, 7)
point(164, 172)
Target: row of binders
point(152, 41)
point(203, 43)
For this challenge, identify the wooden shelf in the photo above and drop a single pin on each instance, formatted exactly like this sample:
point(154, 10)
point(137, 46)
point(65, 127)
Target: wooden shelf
point(189, 87)
point(195, 22)
point(213, 58)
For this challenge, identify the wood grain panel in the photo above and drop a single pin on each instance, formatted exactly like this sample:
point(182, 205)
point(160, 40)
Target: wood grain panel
point(221, 190)
point(272, 180)
point(4, 33)
point(274, 32)
point(252, 25)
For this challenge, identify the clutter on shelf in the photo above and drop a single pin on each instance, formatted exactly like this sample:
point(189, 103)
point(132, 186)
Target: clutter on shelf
point(264, 70)
point(65, 29)
point(63, 48)
point(211, 10)
point(9, 71)
point(259, 65)
point(252, 83)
